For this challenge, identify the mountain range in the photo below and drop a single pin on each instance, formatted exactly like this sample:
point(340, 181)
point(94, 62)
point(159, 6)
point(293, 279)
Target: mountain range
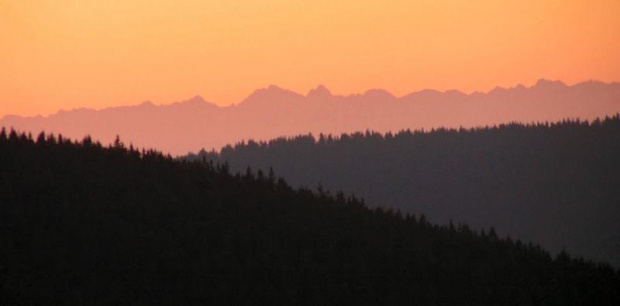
point(271, 112)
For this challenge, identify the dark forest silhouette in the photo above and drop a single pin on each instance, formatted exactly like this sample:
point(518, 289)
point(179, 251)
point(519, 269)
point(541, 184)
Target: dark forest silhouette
point(81, 223)
point(557, 184)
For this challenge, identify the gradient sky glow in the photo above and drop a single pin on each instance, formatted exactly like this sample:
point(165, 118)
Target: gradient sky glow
point(64, 54)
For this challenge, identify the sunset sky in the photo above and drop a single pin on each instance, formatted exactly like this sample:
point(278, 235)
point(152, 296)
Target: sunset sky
point(64, 54)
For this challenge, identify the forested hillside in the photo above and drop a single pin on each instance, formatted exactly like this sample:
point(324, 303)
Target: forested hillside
point(83, 224)
point(557, 184)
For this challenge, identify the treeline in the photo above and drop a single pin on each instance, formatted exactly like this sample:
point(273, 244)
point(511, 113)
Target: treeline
point(81, 224)
point(556, 184)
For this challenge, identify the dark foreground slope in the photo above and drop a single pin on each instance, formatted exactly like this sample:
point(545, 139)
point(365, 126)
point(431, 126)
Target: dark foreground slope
point(554, 184)
point(81, 224)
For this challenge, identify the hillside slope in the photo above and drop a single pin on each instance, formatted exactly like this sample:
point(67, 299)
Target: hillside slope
point(554, 184)
point(83, 224)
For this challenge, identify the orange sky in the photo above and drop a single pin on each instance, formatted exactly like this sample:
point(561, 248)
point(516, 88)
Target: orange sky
point(68, 53)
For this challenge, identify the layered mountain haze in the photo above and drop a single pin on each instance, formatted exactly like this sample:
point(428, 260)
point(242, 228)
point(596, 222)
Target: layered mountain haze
point(445, 152)
point(555, 184)
point(272, 112)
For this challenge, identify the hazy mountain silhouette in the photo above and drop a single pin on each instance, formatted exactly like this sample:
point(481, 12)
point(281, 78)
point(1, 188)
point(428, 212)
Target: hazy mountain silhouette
point(272, 112)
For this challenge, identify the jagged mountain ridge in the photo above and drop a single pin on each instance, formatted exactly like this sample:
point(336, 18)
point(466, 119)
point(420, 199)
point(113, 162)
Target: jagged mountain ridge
point(273, 112)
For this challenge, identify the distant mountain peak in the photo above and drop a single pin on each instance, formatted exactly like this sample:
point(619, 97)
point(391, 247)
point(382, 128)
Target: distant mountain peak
point(379, 94)
point(270, 93)
point(274, 87)
point(319, 92)
point(196, 99)
point(147, 103)
point(196, 103)
point(549, 83)
point(270, 90)
point(498, 90)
